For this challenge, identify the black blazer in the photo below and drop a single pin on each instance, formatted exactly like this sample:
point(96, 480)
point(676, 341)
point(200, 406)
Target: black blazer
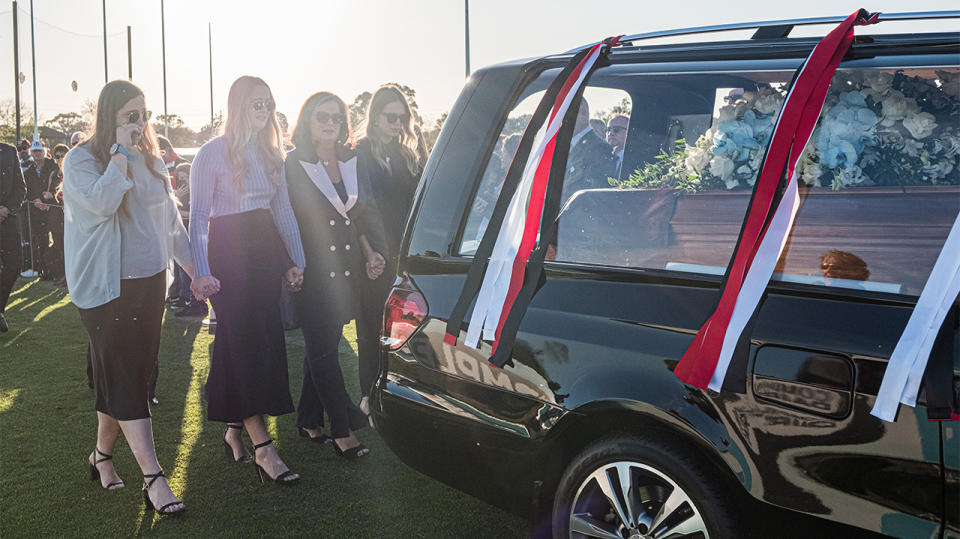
point(335, 262)
point(12, 186)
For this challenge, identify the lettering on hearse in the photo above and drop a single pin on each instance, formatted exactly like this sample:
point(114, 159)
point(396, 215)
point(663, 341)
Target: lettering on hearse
point(474, 365)
point(800, 395)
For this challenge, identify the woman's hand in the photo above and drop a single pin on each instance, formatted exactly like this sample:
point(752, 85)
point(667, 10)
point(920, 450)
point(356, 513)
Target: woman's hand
point(375, 265)
point(128, 135)
point(293, 279)
point(204, 286)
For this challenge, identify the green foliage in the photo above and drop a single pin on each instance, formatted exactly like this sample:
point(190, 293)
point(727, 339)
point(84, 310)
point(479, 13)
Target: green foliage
point(667, 170)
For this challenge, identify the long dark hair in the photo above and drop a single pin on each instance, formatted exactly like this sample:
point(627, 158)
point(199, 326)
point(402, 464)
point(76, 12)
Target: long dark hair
point(113, 96)
point(302, 138)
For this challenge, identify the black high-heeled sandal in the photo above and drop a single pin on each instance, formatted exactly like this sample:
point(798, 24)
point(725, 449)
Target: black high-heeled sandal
point(162, 511)
point(353, 453)
point(228, 449)
point(322, 439)
point(95, 473)
point(280, 479)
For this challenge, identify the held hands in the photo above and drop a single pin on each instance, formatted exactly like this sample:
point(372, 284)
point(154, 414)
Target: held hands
point(293, 279)
point(205, 286)
point(375, 265)
point(4, 213)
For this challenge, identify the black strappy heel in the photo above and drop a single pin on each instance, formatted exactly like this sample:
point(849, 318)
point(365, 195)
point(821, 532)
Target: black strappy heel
point(162, 511)
point(95, 473)
point(321, 439)
point(244, 459)
point(280, 479)
point(353, 453)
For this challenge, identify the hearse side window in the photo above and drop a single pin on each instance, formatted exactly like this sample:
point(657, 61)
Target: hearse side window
point(879, 177)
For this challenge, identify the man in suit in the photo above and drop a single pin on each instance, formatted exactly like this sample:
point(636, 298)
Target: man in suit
point(12, 190)
point(591, 160)
point(617, 137)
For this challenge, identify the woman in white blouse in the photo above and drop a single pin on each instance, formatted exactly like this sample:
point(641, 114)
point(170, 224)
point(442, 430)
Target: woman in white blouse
point(121, 229)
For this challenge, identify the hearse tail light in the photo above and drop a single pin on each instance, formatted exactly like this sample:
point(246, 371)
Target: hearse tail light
point(404, 312)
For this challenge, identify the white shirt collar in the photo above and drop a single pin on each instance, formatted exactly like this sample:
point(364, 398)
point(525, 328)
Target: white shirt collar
point(576, 138)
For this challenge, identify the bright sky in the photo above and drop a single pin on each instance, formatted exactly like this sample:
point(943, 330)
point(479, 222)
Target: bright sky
point(300, 47)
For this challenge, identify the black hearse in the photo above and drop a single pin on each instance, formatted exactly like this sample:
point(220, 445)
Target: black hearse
point(588, 430)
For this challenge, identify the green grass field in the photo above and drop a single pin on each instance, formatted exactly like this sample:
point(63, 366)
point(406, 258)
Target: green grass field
point(48, 428)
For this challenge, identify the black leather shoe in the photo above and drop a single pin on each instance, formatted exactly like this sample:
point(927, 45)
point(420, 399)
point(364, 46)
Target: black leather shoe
point(3, 324)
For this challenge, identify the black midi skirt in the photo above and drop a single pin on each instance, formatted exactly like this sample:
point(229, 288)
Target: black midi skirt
point(124, 339)
point(248, 370)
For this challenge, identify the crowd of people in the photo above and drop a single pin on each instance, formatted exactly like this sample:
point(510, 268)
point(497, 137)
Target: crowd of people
point(319, 215)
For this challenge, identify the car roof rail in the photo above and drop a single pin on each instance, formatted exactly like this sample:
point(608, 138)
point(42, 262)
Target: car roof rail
point(779, 29)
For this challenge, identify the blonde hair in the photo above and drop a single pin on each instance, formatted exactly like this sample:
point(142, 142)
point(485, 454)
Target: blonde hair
point(409, 144)
point(238, 131)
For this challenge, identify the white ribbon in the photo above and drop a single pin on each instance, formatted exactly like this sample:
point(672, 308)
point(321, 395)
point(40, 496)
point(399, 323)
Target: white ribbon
point(901, 381)
point(496, 278)
point(348, 171)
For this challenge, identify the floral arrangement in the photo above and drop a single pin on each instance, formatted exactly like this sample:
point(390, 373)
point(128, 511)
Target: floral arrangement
point(876, 128)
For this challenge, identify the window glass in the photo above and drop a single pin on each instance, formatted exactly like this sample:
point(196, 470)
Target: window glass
point(880, 178)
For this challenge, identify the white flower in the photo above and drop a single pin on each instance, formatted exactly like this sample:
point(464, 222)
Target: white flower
point(721, 166)
point(851, 175)
point(727, 114)
point(912, 147)
point(808, 170)
point(897, 107)
point(920, 125)
point(768, 103)
point(878, 81)
point(697, 159)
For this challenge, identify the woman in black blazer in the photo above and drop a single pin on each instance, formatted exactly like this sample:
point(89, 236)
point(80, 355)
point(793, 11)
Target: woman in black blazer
point(342, 238)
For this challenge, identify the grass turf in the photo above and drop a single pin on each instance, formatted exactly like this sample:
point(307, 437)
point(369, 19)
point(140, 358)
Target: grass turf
point(48, 428)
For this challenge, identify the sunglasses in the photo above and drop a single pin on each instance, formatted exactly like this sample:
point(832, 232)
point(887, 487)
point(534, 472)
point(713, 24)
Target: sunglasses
point(393, 118)
point(616, 128)
point(324, 117)
point(260, 105)
point(134, 116)
point(59, 156)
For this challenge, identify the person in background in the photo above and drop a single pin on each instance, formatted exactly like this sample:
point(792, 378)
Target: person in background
point(170, 158)
point(77, 137)
point(284, 131)
point(617, 136)
point(23, 152)
point(12, 191)
point(181, 283)
point(245, 240)
point(42, 178)
point(343, 238)
point(55, 221)
point(122, 229)
point(599, 128)
point(393, 158)
point(591, 160)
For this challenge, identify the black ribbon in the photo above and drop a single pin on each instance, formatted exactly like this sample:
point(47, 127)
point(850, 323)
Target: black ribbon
point(481, 258)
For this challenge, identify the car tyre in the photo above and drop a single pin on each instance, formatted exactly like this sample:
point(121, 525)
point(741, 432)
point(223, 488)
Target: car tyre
point(637, 487)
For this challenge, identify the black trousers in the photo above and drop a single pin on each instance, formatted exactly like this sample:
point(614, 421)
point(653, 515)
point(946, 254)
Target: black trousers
point(369, 321)
point(10, 258)
point(323, 386)
point(39, 238)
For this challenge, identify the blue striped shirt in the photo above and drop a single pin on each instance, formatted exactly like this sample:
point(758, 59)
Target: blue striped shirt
point(214, 194)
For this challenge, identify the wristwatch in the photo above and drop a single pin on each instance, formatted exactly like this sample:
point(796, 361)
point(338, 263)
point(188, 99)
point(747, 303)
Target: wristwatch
point(119, 149)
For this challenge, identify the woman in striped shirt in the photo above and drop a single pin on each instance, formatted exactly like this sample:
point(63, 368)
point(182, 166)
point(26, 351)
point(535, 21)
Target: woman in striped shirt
point(247, 239)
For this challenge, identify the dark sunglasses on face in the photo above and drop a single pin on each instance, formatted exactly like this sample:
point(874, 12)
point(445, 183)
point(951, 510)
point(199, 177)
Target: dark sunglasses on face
point(616, 128)
point(324, 117)
point(393, 118)
point(134, 116)
point(261, 105)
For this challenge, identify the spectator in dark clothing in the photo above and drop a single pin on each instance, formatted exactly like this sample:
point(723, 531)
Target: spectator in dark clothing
point(181, 281)
point(170, 158)
point(43, 178)
point(591, 160)
point(393, 157)
point(12, 190)
point(55, 222)
point(23, 152)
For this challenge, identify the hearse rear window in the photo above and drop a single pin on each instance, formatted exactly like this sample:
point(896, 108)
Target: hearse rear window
point(880, 178)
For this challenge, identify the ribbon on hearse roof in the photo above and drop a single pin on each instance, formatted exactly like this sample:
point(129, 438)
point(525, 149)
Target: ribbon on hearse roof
point(506, 268)
point(767, 224)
